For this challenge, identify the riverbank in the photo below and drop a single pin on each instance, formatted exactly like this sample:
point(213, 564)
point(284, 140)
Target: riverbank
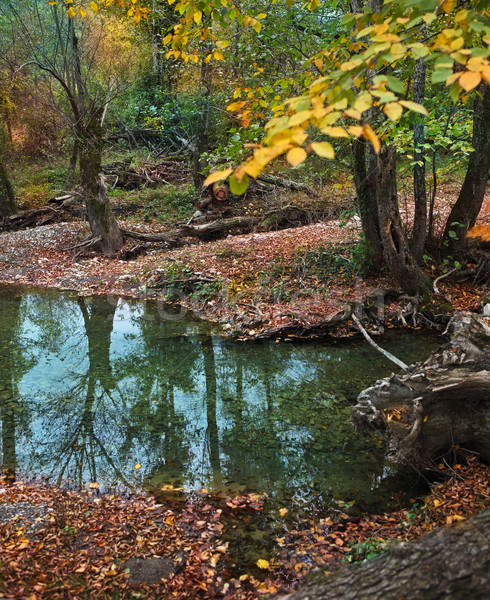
point(300, 281)
point(58, 543)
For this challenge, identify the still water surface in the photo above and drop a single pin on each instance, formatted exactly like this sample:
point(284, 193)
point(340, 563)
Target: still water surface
point(110, 392)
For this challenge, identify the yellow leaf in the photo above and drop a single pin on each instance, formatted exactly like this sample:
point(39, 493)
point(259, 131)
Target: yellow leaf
point(318, 63)
point(469, 80)
point(197, 16)
point(323, 149)
point(335, 132)
point(393, 110)
point(218, 56)
point(398, 50)
point(71, 12)
point(222, 44)
point(137, 466)
point(299, 117)
point(243, 577)
point(261, 16)
point(437, 502)
point(356, 130)
point(93, 486)
point(369, 134)
point(448, 6)
point(94, 6)
point(83, 14)
point(217, 176)
point(262, 564)
point(353, 113)
point(363, 102)
point(255, 167)
point(414, 106)
point(283, 512)
point(170, 520)
point(295, 157)
point(215, 560)
point(458, 518)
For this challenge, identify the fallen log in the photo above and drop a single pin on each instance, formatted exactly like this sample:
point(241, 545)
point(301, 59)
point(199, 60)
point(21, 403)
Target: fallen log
point(203, 231)
point(439, 404)
point(285, 183)
point(449, 563)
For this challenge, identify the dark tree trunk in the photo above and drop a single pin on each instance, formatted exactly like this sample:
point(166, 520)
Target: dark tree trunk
point(398, 257)
point(366, 202)
point(202, 134)
point(441, 403)
point(7, 196)
point(212, 432)
point(449, 563)
point(103, 225)
point(88, 132)
point(470, 200)
point(419, 230)
point(75, 152)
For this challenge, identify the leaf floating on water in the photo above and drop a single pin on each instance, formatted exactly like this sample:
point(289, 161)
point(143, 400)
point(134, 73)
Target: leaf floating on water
point(283, 512)
point(262, 564)
point(137, 466)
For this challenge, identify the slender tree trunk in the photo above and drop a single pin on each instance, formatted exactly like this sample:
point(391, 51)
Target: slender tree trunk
point(103, 225)
point(8, 390)
point(70, 177)
point(399, 260)
point(366, 201)
point(212, 433)
point(8, 205)
point(202, 134)
point(419, 230)
point(470, 200)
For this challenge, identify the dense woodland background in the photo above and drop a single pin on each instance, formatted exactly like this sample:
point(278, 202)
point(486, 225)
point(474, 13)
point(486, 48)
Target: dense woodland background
point(193, 86)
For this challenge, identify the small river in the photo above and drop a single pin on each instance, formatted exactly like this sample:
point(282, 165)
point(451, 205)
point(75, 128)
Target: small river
point(126, 395)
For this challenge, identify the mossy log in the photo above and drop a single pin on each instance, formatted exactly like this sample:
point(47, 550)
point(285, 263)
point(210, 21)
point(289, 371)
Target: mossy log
point(449, 563)
point(438, 404)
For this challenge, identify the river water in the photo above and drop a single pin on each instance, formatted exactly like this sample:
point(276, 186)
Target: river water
point(126, 395)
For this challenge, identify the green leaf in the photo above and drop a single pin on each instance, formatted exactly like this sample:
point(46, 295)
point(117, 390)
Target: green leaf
point(238, 187)
point(395, 84)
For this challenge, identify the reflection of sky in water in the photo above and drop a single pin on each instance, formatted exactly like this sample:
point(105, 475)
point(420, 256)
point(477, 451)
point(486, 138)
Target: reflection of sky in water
point(101, 388)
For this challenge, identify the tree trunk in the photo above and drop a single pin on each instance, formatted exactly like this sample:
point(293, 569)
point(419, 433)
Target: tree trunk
point(441, 403)
point(75, 152)
point(202, 134)
point(449, 563)
point(470, 200)
point(7, 196)
point(103, 225)
point(419, 230)
point(397, 255)
point(366, 202)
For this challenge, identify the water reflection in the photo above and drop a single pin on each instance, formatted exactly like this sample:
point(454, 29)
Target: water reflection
point(92, 389)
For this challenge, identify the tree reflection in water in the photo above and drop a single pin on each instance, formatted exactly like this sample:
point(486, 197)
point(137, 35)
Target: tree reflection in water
point(98, 387)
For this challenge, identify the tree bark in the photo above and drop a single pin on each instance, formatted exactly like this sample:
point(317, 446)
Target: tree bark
point(202, 134)
point(366, 202)
point(70, 177)
point(470, 200)
point(8, 205)
point(441, 403)
point(451, 562)
point(419, 230)
point(398, 257)
point(103, 225)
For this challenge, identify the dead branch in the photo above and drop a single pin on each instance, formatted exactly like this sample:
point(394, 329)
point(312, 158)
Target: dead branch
point(384, 352)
